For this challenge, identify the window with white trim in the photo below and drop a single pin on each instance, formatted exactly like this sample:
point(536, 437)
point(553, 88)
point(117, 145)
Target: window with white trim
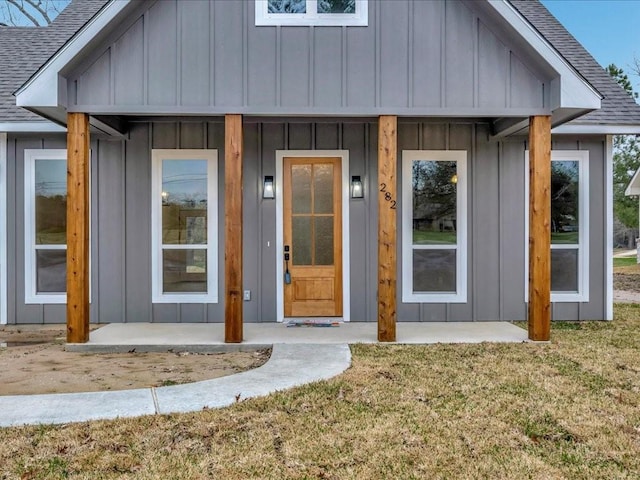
point(434, 226)
point(312, 12)
point(45, 225)
point(569, 225)
point(184, 221)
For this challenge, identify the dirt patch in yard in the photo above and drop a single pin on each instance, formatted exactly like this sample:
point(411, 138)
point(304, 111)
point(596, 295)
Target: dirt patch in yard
point(34, 361)
point(626, 284)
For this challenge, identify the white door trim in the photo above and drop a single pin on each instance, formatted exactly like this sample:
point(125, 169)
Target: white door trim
point(344, 155)
point(3, 228)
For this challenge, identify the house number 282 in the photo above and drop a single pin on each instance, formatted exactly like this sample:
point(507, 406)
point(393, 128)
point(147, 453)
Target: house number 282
point(387, 196)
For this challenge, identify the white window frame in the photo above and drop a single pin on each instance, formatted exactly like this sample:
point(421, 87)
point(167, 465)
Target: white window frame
point(158, 296)
point(30, 276)
point(3, 228)
point(408, 295)
point(312, 17)
point(582, 295)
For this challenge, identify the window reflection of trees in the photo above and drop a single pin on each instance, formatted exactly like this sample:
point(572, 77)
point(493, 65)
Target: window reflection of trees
point(564, 202)
point(434, 202)
point(300, 6)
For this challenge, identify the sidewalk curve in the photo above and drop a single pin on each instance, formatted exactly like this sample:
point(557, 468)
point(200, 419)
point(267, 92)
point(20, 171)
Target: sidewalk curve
point(290, 365)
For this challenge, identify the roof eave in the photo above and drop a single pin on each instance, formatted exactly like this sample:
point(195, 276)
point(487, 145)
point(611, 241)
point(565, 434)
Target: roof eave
point(570, 90)
point(47, 88)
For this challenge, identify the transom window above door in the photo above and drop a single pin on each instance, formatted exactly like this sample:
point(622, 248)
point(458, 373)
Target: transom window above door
point(312, 12)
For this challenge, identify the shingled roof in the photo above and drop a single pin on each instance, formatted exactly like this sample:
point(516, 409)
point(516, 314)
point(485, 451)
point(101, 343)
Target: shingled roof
point(24, 50)
point(618, 108)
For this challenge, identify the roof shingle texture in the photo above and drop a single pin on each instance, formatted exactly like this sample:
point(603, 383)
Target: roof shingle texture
point(23, 50)
point(618, 108)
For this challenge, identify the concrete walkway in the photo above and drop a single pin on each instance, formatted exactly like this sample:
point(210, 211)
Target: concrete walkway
point(289, 366)
point(201, 337)
point(300, 355)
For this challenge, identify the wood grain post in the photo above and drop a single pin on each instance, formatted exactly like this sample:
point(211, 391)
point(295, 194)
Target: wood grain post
point(387, 166)
point(233, 228)
point(540, 228)
point(77, 228)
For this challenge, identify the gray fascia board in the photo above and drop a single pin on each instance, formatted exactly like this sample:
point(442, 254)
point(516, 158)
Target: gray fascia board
point(31, 127)
point(597, 129)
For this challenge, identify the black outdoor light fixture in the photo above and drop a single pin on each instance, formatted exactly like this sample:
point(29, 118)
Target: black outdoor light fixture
point(268, 191)
point(357, 191)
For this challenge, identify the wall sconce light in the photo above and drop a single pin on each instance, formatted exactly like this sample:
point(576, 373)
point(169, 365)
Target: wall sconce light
point(268, 190)
point(357, 191)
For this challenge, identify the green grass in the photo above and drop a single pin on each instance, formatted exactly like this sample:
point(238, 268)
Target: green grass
point(564, 238)
point(429, 237)
point(625, 261)
point(567, 409)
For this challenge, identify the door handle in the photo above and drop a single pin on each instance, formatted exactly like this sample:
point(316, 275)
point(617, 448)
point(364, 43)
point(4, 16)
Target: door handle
point(287, 275)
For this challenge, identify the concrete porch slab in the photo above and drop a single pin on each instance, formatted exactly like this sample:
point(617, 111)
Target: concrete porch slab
point(210, 337)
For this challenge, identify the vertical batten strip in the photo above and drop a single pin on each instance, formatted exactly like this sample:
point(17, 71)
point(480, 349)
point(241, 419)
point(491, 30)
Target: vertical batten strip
point(77, 227)
point(539, 228)
point(387, 166)
point(233, 229)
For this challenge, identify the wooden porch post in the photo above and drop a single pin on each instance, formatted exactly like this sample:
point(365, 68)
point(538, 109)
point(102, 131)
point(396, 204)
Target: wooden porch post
point(387, 165)
point(77, 227)
point(233, 228)
point(540, 228)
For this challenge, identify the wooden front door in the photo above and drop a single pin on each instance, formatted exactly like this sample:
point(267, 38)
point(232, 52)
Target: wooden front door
point(312, 237)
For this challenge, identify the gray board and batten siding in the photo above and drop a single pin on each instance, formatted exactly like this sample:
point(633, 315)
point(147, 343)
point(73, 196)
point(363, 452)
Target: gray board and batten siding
point(121, 222)
point(420, 58)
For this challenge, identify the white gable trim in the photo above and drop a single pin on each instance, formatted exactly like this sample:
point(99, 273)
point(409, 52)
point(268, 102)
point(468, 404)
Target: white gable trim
point(575, 91)
point(45, 87)
point(634, 185)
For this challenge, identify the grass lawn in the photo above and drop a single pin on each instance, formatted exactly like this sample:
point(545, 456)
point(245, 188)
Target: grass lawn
point(625, 261)
point(431, 237)
point(569, 409)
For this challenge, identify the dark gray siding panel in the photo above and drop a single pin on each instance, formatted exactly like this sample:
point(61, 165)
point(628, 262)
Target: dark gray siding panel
point(361, 71)
point(263, 81)
point(195, 61)
point(328, 66)
point(393, 53)
point(427, 54)
point(485, 250)
point(460, 28)
point(512, 239)
point(493, 69)
point(128, 67)
point(295, 66)
point(94, 86)
point(111, 208)
point(524, 88)
point(416, 57)
point(162, 54)
point(272, 137)
point(228, 45)
point(137, 225)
